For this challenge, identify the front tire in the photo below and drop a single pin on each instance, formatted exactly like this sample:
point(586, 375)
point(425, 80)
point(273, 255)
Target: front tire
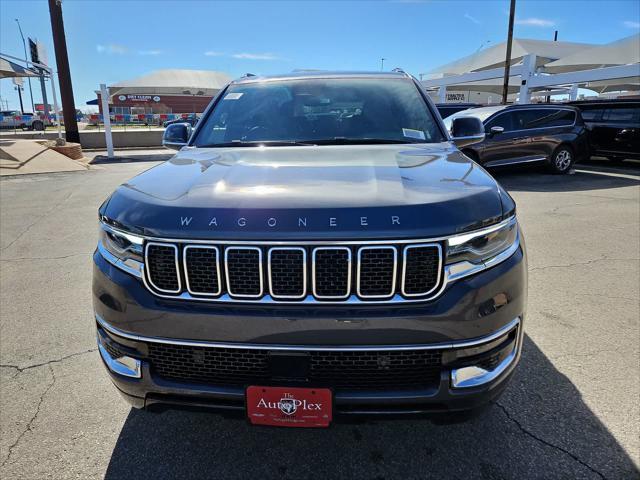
point(562, 160)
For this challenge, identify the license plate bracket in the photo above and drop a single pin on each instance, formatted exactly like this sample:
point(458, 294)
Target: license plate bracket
point(289, 406)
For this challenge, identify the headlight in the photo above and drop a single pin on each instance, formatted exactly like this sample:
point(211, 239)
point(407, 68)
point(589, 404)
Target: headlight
point(121, 249)
point(471, 252)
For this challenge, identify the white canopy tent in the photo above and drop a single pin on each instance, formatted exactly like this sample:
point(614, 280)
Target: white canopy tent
point(620, 52)
point(493, 57)
point(173, 81)
point(612, 67)
point(12, 70)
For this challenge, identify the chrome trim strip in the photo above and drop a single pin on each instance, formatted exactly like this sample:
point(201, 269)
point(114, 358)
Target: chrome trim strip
point(311, 348)
point(404, 269)
point(117, 367)
point(459, 270)
point(513, 161)
point(487, 376)
point(465, 237)
point(304, 272)
point(135, 239)
point(148, 273)
point(226, 270)
point(186, 270)
point(116, 262)
point(313, 273)
point(394, 275)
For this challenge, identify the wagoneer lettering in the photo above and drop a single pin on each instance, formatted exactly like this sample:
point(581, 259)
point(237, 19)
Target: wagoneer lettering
point(302, 259)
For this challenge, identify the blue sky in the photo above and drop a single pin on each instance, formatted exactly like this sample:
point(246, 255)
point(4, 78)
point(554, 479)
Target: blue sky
point(109, 41)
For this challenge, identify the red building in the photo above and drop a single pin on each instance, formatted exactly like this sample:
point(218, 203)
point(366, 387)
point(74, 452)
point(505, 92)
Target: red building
point(165, 91)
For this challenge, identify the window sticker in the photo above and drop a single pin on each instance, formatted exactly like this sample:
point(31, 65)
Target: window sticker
point(233, 96)
point(408, 132)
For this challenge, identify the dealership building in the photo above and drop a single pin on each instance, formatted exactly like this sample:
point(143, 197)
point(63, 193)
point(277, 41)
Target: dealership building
point(164, 92)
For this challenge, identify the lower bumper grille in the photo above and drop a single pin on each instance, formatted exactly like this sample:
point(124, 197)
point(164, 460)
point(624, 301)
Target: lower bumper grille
point(340, 369)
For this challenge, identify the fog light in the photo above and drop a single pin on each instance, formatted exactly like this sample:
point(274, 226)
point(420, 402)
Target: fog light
point(474, 376)
point(122, 365)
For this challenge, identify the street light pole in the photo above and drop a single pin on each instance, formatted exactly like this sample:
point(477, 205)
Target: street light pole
point(19, 88)
point(507, 64)
point(24, 45)
point(382, 63)
point(64, 75)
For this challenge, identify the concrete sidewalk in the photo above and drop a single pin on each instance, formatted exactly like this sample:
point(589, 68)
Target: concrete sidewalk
point(19, 157)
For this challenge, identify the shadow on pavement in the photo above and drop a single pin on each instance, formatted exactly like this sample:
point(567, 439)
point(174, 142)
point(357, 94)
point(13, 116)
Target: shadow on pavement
point(540, 428)
point(588, 176)
point(123, 158)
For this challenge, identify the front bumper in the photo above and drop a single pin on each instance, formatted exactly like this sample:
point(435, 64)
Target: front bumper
point(474, 318)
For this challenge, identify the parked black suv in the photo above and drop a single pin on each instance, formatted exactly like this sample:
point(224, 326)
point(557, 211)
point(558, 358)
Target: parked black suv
point(614, 127)
point(318, 248)
point(553, 135)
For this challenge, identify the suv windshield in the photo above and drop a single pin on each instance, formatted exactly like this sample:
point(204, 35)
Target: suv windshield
point(320, 111)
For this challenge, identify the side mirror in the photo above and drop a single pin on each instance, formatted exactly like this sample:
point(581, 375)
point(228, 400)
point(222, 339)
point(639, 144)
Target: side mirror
point(467, 131)
point(176, 135)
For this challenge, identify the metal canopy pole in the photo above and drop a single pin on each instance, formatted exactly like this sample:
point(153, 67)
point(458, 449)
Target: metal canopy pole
point(106, 119)
point(507, 64)
point(55, 105)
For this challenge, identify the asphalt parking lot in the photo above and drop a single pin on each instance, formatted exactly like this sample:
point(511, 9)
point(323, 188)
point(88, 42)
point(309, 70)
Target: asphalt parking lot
point(572, 410)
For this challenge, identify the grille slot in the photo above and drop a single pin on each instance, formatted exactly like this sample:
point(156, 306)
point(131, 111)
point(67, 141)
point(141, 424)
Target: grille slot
point(288, 272)
point(341, 369)
point(331, 272)
point(161, 261)
point(202, 270)
point(244, 271)
point(421, 269)
point(377, 271)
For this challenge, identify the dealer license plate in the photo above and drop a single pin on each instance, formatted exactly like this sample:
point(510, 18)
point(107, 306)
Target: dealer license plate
point(289, 407)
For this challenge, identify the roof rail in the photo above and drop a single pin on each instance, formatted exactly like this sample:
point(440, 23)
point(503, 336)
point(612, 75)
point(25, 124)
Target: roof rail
point(247, 75)
point(400, 70)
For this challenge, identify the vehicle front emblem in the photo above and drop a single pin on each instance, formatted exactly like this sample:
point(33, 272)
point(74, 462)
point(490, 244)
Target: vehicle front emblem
point(288, 405)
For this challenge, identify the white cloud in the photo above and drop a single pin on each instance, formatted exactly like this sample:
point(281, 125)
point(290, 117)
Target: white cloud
point(256, 56)
point(211, 53)
point(473, 19)
point(150, 52)
point(535, 22)
point(112, 48)
point(630, 24)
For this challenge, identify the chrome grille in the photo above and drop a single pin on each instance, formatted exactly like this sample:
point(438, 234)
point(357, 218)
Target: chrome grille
point(162, 263)
point(297, 273)
point(202, 270)
point(332, 272)
point(244, 271)
point(287, 272)
point(421, 272)
point(376, 271)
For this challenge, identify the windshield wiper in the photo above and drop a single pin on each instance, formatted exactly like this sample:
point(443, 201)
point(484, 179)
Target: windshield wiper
point(364, 141)
point(258, 143)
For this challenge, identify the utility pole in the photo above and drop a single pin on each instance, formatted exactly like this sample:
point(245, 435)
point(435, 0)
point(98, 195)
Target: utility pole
point(19, 89)
point(507, 64)
point(64, 75)
point(24, 45)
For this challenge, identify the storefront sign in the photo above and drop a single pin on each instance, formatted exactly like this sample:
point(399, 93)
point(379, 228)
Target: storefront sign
point(138, 98)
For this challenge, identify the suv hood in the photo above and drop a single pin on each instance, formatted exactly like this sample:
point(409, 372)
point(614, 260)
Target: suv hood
point(338, 192)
